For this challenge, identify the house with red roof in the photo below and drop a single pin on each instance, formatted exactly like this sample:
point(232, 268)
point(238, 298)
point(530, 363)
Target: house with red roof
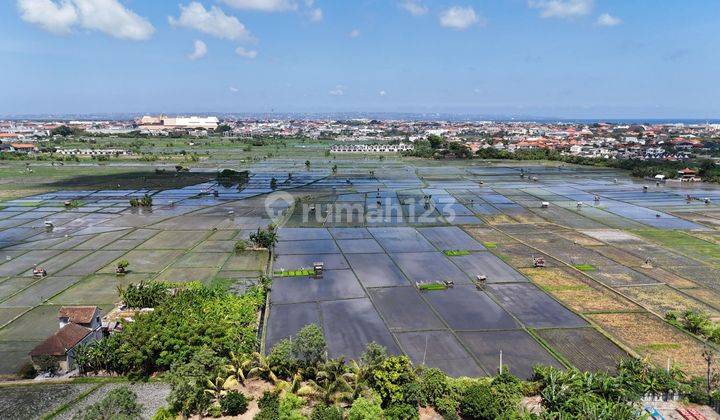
point(78, 325)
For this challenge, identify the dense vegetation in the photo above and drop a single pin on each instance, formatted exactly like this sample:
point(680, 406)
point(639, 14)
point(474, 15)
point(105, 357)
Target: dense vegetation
point(196, 318)
point(698, 323)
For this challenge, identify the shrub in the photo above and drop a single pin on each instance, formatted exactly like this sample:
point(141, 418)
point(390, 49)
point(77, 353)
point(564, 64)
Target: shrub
point(366, 409)
point(240, 246)
point(434, 385)
point(265, 238)
point(289, 407)
point(325, 412)
point(269, 405)
point(447, 407)
point(27, 371)
point(163, 413)
point(118, 403)
point(478, 403)
point(309, 345)
point(47, 364)
point(402, 412)
point(123, 264)
point(145, 294)
point(233, 403)
point(214, 411)
point(281, 358)
point(390, 376)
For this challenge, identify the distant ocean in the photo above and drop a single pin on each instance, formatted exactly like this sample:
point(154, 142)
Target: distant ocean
point(456, 117)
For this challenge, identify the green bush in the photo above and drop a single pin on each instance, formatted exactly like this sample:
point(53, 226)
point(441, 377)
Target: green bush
point(326, 412)
point(389, 377)
point(402, 412)
point(479, 403)
point(366, 409)
point(119, 403)
point(163, 413)
point(434, 385)
point(27, 371)
point(269, 405)
point(309, 345)
point(447, 407)
point(282, 360)
point(214, 411)
point(240, 246)
point(233, 403)
point(290, 406)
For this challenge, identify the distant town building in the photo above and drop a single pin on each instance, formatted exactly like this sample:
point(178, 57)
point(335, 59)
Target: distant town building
point(370, 148)
point(164, 122)
point(92, 152)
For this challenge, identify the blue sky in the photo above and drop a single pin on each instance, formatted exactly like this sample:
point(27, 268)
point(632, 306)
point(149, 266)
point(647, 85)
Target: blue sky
point(557, 58)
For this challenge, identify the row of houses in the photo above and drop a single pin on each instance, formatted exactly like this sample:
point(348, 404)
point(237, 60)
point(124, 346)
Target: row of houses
point(370, 148)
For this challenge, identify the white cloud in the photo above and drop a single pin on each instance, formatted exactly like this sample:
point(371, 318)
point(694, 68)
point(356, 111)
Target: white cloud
point(263, 5)
point(114, 19)
point(339, 90)
point(414, 7)
point(354, 33)
point(458, 17)
point(242, 52)
point(52, 17)
point(233, 89)
point(607, 19)
point(315, 15)
point(199, 51)
point(562, 8)
point(382, 93)
point(212, 22)
point(108, 16)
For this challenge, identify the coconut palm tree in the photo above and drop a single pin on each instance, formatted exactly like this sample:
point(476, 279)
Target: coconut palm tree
point(262, 369)
point(220, 386)
point(331, 382)
point(238, 367)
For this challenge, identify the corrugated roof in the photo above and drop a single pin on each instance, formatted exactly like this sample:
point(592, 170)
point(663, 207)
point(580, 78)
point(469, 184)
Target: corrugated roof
point(58, 344)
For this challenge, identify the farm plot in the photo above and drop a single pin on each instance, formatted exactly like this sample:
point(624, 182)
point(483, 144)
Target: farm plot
point(335, 284)
point(576, 293)
point(520, 352)
point(488, 264)
point(440, 350)
point(285, 321)
point(465, 308)
point(685, 244)
point(295, 262)
point(349, 339)
point(651, 337)
point(145, 261)
point(584, 348)
point(705, 295)
point(31, 401)
point(401, 239)
point(423, 267)
point(450, 237)
point(376, 270)
point(403, 309)
point(663, 299)
point(533, 307)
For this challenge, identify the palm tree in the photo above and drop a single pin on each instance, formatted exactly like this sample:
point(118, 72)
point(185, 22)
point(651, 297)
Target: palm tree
point(220, 386)
point(331, 383)
point(238, 367)
point(357, 377)
point(293, 386)
point(262, 368)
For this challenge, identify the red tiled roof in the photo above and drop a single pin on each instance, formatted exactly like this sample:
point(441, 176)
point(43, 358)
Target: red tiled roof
point(78, 314)
point(58, 344)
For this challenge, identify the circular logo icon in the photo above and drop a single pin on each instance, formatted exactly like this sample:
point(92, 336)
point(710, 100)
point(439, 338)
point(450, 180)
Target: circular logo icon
point(276, 206)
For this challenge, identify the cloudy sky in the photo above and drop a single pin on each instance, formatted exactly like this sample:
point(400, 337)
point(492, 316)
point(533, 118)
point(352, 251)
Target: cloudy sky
point(558, 58)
